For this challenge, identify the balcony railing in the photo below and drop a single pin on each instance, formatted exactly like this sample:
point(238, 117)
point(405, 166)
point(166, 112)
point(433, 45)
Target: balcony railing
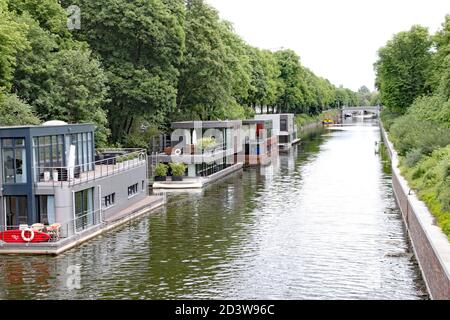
point(57, 231)
point(109, 162)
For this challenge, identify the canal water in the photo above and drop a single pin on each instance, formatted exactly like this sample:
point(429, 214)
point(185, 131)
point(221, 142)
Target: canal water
point(320, 224)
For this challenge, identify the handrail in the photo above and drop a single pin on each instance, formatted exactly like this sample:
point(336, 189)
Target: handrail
point(91, 171)
point(67, 229)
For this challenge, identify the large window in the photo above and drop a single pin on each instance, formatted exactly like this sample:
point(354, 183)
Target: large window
point(16, 208)
point(14, 160)
point(46, 209)
point(84, 209)
point(84, 154)
point(48, 153)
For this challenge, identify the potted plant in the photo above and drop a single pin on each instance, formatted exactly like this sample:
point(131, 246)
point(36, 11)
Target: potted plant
point(178, 170)
point(160, 172)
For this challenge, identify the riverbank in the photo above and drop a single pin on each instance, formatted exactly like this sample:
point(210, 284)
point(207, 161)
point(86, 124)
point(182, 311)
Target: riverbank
point(305, 122)
point(429, 242)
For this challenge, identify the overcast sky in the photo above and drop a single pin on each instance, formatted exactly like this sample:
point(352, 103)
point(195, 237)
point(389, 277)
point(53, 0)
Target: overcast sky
point(336, 39)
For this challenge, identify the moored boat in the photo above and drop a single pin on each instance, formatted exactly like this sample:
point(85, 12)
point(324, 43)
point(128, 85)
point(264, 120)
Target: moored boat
point(24, 236)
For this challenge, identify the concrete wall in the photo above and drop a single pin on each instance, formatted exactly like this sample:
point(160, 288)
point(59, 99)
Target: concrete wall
point(430, 244)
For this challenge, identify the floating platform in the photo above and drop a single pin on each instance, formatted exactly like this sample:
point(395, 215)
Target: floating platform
point(197, 182)
point(54, 248)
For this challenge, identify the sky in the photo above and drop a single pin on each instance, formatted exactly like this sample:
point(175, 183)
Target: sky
point(336, 39)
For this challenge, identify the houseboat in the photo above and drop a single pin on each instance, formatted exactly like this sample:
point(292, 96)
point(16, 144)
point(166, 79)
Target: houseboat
point(284, 128)
point(208, 151)
point(54, 182)
point(260, 143)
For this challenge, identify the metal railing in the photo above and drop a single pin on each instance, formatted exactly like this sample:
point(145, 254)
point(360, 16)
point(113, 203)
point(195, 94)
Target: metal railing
point(65, 230)
point(107, 164)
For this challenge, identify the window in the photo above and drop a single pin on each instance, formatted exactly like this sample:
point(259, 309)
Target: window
point(109, 200)
point(48, 153)
point(283, 125)
point(84, 208)
point(132, 190)
point(46, 209)
point(283, 139)
point(16, 210)
point(143, 185)
point(84, 151)
point(14, 160)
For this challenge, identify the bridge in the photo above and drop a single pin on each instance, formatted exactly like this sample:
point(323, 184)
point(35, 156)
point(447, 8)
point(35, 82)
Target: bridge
point(360, 110)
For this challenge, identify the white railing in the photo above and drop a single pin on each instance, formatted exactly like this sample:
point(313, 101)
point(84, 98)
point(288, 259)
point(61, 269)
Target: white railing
point(58, 231)
point(92, 171)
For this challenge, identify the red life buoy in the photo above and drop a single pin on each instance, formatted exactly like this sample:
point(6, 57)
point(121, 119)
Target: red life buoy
point(30, 238)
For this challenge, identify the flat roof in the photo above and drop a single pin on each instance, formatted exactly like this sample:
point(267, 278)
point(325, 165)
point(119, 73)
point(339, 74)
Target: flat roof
point(206, 124)
point(46, 126)
point(269, 122)
point(43, 130)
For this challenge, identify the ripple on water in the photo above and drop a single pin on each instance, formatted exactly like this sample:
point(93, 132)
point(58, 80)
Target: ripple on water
point(320, 224)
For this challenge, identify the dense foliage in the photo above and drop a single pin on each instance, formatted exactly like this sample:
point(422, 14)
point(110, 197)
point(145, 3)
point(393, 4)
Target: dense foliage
point(135, 66)
point(413, 75)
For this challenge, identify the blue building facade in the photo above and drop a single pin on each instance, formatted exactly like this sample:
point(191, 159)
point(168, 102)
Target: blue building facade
point(30, 154)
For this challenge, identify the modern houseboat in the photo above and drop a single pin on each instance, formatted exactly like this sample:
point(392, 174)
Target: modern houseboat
point(260, 144)
point(284, 128)
point(53, 181)
point(208, 149)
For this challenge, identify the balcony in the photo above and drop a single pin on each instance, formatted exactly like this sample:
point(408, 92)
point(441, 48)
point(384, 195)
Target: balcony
point(108, 162)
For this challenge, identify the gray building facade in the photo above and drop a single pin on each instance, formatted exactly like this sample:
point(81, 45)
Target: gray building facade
point(53, 174)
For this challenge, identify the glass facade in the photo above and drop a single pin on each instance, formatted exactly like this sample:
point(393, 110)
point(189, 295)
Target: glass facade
point(48, 153)
point(16, 208)
point(84, 209)
point(51, 153)
point(206, 169)
point(84, 153)
point(46, 209)
point(14, 160)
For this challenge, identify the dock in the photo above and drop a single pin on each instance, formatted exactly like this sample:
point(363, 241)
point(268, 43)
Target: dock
point(134, 211)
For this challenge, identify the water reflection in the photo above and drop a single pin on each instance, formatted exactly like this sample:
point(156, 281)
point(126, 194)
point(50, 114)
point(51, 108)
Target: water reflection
point(320, 223)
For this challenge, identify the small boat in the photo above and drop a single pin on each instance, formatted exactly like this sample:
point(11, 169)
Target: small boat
point(327, 122)
point(23, 236)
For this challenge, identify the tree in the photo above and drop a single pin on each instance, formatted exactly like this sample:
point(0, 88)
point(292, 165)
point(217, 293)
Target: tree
point(290, 78)
point(61, 79)
point(215, 72)
point(48, 13)
point(141, 44)
point(403, 67)
point(15, 112)
point(12, 41)
point(440, 76)
point(265, 81)
point(76, 91)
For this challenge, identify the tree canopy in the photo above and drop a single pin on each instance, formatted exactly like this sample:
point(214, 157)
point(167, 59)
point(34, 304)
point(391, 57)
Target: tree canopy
point(135, 66)
point(403, 68)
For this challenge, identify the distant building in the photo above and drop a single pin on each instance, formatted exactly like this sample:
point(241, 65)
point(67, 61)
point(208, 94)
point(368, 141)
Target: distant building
point(284, 128)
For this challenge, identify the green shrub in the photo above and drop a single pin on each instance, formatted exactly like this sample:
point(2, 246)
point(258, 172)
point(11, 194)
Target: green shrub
point(161, 170)
point(388, 118)
point(435, 108)
point(431, 178)
point(178, 169)
point(413, 157)
point(206, 142)
point(409, 133)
